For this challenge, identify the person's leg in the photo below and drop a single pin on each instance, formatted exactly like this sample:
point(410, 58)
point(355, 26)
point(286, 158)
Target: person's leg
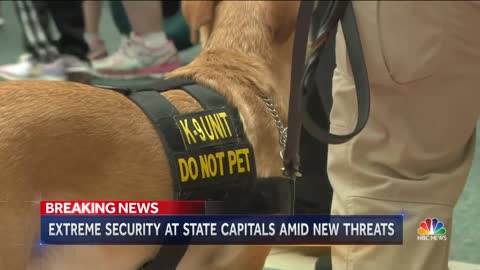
point(145, 16)
point(42, 59)
point(68, 18)
point(35, 27)
point(92, 10)
point(120, 17)
point(148, 52)
point(415, 153)
point(176, 28)
point(43, 16)
point(174, 24)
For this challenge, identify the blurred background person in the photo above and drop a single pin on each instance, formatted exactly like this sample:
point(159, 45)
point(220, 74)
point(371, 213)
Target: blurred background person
point(92, 11)
point(48, 57)
point(145, 51)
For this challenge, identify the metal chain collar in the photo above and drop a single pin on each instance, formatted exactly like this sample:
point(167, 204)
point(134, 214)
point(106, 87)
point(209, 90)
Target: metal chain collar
point(282, 130)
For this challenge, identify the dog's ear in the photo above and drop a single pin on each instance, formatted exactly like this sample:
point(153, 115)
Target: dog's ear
point(198, 14)
point(281, 18)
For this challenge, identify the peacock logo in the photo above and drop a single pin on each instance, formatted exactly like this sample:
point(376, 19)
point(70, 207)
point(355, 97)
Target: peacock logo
point(431, 229)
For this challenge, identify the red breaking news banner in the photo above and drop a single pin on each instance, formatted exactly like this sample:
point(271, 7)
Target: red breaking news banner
point(143, 208)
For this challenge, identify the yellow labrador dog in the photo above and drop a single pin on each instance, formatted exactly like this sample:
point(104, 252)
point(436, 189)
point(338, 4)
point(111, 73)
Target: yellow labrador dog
point(69, 141)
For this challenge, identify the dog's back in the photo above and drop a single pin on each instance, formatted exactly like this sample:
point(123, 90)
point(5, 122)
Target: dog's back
point(68, 141)
point(58, 137)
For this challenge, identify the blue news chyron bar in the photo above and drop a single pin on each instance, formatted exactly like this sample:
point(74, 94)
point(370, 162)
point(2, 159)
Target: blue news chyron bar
point(217, 229)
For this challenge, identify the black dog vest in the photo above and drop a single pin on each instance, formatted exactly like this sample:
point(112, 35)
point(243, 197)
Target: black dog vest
point(208, 150)
point(210, 157)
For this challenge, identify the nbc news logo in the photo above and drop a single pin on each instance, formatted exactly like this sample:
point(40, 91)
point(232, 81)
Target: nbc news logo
point(431, 229)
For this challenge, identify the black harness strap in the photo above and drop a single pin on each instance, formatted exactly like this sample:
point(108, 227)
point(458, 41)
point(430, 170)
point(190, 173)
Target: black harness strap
point(155, 106)
point(173, 83)
point(160, 112)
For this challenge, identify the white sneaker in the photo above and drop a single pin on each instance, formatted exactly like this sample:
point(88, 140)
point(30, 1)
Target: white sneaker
point(29, 69)
point(107, 62)
point(135, 59)
point(20, 69)
point(53, 71)
point(74, 64)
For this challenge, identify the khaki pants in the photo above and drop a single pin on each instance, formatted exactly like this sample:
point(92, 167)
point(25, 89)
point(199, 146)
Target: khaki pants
point(423, 61)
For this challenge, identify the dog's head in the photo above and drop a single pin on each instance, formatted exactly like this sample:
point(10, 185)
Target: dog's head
point(262, 32)
point(279, 16)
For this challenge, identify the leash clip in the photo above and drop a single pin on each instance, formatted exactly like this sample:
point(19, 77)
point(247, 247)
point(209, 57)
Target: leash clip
point(289, 169)
point(292, 175)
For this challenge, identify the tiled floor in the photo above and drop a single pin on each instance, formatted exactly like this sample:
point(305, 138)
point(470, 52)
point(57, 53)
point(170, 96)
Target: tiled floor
point(465, 251)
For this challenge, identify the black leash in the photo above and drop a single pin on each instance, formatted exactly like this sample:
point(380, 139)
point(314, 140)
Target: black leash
point(298, 115)
point(343, 11)
point(290, 155)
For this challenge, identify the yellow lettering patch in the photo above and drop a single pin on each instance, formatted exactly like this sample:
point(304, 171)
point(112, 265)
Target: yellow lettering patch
point(215, 165)
point(206, 128)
